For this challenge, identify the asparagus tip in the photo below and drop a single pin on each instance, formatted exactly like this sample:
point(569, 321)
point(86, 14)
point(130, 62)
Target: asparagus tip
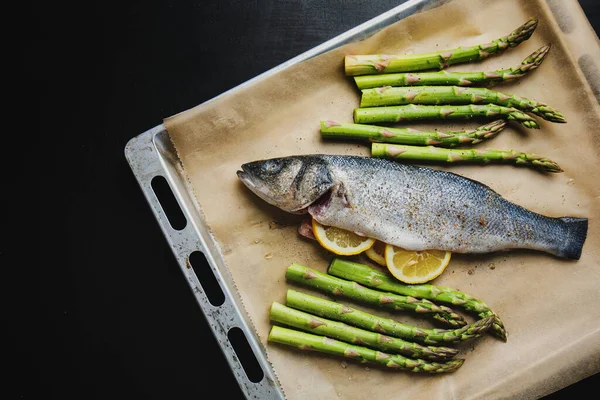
point(496, 125)
point(531, 124)
point(503, 336)
point(449, 366)
point(555, 116)
point(522, 33)
point(539, 55)
point(546, 164)
point(545, 49)
point(528, 27)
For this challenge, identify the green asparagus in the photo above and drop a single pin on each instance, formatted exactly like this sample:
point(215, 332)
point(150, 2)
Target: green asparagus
point(377, 279)
point(340, 312)
point(352, 290)
point(372, 133)
point(470, 156)
point(338, 330)
point(324, 344)
point(444, 78)
point(439, 95)
point(385, 64)
point(412, 112)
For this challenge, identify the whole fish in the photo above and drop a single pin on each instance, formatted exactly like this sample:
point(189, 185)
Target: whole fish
point(413, 207)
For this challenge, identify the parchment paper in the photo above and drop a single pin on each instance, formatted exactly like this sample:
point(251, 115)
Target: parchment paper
point(549, 306)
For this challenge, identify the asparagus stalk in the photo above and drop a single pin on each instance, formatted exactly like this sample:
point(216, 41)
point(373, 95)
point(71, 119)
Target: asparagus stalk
point(339, 312)
point(437, 95)
point(442, 78)
point(437, 154)
point(352, 290)
point(385, 64)
point(412, 112)
point(338, 330)
point(324, 344)
point(380, 280)
point(372, 133)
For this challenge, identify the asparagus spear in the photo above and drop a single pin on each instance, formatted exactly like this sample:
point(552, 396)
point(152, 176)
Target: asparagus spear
point(453, 78)
point(380, 280)
point(339, 312)
point(437, 95)
point(413, 112)
point(338, 330)
point(372, 133)
point(324, 344)
point(437, 154)
point(385, 64)
point(352, 290)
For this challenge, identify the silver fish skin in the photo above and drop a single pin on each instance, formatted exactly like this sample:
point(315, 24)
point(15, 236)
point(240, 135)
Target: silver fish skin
point(413, 207)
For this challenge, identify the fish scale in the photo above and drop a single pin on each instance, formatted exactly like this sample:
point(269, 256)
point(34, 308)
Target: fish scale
point(409, 206)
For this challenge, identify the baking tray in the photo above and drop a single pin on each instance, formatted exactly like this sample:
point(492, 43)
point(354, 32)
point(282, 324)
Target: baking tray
point(151, 155)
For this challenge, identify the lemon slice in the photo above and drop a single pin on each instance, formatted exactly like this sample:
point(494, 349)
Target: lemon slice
point(413, 267)
point(377, 253)
point(340, 241)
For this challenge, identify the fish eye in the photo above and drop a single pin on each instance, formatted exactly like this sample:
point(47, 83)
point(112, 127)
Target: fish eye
point(272, 166)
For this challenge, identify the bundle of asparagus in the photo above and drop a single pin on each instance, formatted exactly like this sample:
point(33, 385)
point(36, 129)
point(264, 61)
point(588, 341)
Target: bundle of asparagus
point(373, 278)
point(394, 90)
point(313, 323)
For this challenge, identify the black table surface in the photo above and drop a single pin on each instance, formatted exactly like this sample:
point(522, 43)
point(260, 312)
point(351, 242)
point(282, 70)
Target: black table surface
point(117, 319)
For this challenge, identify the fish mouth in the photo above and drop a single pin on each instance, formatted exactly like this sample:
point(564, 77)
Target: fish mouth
point(245, 177)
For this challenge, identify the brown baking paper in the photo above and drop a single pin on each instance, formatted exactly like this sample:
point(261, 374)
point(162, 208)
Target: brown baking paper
point(549, 306)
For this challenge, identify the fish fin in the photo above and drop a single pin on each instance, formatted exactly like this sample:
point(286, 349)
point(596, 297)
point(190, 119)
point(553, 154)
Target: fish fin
point(576, 233)
point(305, 229)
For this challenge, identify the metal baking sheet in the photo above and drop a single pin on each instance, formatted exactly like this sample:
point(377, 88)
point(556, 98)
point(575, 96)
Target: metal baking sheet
point(151, 154)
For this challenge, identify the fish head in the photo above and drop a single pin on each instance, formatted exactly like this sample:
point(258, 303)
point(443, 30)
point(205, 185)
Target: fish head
point(289, 183)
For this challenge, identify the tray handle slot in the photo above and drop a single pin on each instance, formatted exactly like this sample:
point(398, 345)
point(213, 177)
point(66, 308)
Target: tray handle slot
point(205, 275)
point(245, 355)
point(168, 202)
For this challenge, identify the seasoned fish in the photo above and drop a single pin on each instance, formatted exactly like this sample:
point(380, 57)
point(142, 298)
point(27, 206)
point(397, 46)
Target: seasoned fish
point(412, 207)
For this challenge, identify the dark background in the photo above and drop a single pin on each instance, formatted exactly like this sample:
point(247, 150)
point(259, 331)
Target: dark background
point(116, 317)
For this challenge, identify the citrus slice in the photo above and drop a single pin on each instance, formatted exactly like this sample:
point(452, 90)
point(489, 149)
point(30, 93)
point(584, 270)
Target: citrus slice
point(377, 252)
point(413, 267)
point(340, 241)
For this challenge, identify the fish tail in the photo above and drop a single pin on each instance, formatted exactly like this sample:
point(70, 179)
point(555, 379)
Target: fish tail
point(575, 235)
